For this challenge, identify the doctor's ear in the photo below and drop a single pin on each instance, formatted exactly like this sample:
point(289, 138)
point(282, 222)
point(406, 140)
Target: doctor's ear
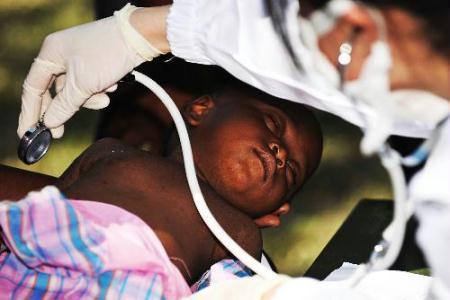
point(195, 111)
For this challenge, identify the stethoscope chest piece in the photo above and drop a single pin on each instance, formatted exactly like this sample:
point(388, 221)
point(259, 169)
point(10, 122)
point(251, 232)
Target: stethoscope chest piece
point(34, 144)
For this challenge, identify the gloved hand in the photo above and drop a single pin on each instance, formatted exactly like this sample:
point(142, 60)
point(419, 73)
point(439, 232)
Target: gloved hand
point(86, 62)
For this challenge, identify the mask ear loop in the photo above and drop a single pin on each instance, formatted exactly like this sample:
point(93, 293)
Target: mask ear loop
point(344, 59)
point(387, 250)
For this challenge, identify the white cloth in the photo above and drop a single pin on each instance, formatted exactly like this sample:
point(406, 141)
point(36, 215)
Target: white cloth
point(384, 285)
point(379, 285)
point(343, 272)
point(238, 36)
point(430, 192)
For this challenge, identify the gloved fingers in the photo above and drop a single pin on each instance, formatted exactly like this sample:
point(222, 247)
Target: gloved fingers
point(42, 73)
point(100, 100)
point(97, 101)
point(38, 80)
point(30, 112)
point(46, 100)
point(60, 82)
point(69, 99)
point(60, 109)
point(111, 88)
point(29, 119)
point(57, 132)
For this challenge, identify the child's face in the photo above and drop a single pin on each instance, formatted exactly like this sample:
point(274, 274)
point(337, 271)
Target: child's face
point(251, 153)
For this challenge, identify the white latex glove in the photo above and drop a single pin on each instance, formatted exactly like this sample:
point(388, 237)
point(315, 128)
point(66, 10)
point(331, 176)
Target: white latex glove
point(86, 61)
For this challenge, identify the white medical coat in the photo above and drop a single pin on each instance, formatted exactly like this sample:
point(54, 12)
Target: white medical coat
point(238, 36)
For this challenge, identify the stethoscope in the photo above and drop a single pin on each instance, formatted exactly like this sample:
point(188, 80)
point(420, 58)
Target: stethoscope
point(387, 250)
point(37, 140)
point(35, 143)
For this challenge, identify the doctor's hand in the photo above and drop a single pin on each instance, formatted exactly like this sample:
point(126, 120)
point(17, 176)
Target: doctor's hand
point(85, 62)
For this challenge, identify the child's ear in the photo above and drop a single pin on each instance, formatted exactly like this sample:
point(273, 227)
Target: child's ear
point(196, 110)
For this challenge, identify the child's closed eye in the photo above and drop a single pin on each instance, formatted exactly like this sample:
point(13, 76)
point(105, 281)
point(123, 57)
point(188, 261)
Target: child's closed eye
point(273, 123)
point(290, 173)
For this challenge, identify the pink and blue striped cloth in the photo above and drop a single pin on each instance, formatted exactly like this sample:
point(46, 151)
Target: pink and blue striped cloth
point(69, 249)
point(224, 270)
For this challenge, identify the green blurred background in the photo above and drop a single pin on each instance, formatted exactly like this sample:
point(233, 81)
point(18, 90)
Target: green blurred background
point(343, 178)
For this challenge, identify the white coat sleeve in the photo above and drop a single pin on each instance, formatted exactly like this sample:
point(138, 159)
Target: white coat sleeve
point(239, 37)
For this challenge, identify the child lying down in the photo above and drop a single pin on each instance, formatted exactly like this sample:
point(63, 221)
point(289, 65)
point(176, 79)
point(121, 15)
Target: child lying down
point(136, 233)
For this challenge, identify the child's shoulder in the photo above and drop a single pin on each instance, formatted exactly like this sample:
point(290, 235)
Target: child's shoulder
point(109, 155)
point(157, 177)
point(108, 148)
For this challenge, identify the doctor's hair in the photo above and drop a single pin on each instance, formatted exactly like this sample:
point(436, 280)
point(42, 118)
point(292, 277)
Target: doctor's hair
point(276, 9)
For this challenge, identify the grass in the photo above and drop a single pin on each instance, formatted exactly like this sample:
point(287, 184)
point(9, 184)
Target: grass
point(343, 178)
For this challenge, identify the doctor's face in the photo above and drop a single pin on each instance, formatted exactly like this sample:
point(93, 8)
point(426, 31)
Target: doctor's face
point(418, 60)
point(255, 155)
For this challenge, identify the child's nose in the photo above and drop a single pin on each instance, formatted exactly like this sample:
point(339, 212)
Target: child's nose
point(280, 154)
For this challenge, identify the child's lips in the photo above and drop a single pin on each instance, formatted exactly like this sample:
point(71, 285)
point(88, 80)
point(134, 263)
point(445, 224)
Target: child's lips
point(268, 163)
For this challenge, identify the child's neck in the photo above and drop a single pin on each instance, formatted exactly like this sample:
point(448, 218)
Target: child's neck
point(176, 154)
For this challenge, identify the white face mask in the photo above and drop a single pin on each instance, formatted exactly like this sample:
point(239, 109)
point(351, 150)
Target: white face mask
point(371, 90)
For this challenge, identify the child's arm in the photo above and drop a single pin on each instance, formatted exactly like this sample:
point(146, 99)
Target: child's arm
point(16, 183)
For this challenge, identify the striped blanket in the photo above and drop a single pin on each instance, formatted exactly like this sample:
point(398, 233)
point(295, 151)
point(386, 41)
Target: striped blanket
point(66, 249)
point(224, 270)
